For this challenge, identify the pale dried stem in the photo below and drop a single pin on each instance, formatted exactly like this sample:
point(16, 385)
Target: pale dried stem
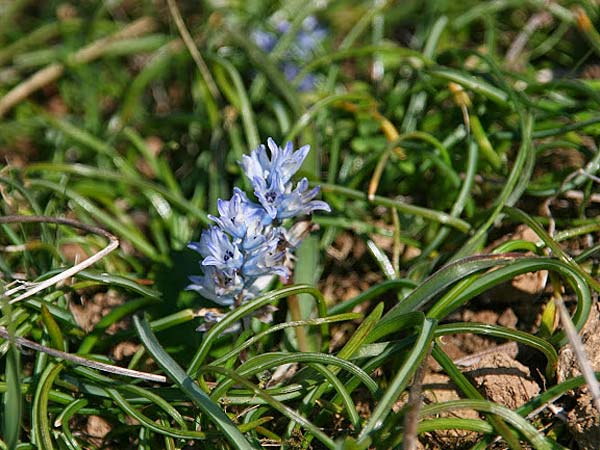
point(87, 54)
point(411, 420)
point(113, 244)
point(582, 359)
point(573, 336)
point(536, 21)
point(22, 342)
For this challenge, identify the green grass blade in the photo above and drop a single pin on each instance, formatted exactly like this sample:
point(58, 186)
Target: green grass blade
point(370, 294)
point(237, 350)
point(519, 266)
point(512, 183)
point(430, 214)
point(213, 412)
point(11, 425)
point(280, 407)
point(536, 439)
point(267, 361)
point(247, 308)
point(400, 381)
point(41, 425)
point(552, 244)
point(434, 286)
point(497, 331)
point(150, 424)
point(129, 233)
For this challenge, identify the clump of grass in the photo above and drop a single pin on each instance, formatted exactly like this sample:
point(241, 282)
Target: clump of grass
point(434, 128)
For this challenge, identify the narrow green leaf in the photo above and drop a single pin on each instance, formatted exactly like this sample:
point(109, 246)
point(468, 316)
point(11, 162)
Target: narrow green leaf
point(41, 426)
point(53, 329)
point(249, 307)
point(190, 388)
point(537, 439)
point(11, 425)
point(400, 380)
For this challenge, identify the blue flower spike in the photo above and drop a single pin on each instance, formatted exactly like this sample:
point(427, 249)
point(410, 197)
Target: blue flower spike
point(251, 242)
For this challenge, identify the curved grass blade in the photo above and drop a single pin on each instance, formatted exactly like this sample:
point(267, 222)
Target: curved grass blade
point(11, 425)
point(434, 286)
point(319, 106)
point(400, 380)
point(277, 405)
point(514, 183)
point(519, 266)
point(349, 349)
point(430, 214)
point(243, 102)
point(267, 361)
point(471, 392)
point(121, 282)
point(151, 424)
point(247, 308)
point(64, 418)
point(536, 439)
point(281, 326)
point(471, 83)
point(269, 68)
point(158, 401)
point(213, 412)
point(371, 293)
point(461, 199)
point(498, 331)
point(53, 329)
point(454, 423)
point(39, 411)
point(551, 244)
point(132, 235)
point(92, 172)
point(367, 50)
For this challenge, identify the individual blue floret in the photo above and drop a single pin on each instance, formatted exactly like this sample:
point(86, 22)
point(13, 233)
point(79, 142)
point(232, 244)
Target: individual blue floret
point(299, 202)
point(267, 258)
point(217, 250)
point(310, 37)
point(221, 286)
point(242, 219)
point(264, 39)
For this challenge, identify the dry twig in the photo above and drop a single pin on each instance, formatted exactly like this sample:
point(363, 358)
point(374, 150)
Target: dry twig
point(80, 360)
point(113, 244)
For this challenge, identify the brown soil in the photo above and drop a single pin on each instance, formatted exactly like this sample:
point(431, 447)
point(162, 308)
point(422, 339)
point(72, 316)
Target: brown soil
point(498, 376)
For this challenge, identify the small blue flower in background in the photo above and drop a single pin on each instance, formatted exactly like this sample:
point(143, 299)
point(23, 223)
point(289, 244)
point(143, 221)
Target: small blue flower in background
point(265, 40)
point(218, 250)
point(309, 38)
point(250, 243)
